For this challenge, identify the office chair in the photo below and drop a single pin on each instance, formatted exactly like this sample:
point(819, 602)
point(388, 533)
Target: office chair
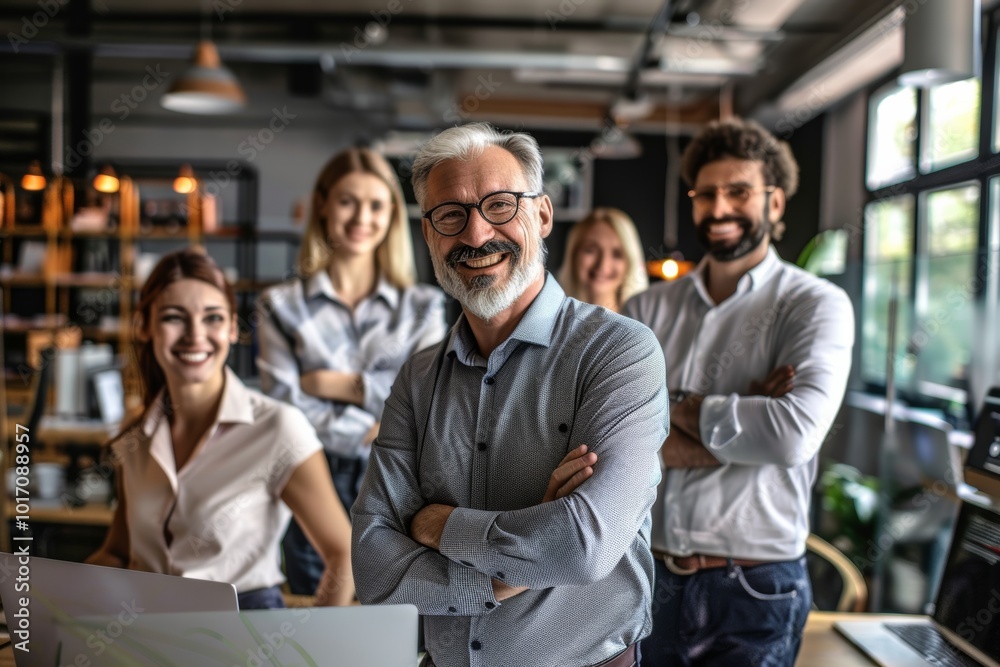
point(837, 584)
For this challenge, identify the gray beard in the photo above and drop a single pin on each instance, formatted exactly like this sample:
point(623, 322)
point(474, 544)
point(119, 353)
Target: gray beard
point(482, 298)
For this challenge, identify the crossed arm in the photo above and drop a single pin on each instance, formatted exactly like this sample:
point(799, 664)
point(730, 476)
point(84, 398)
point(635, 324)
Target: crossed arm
point(573, 540)
point(683, 448)
point(575, 468)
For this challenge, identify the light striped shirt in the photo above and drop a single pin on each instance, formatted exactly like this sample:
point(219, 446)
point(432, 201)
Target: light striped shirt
point(756, 504)
point(304, 326)
point(484, 435)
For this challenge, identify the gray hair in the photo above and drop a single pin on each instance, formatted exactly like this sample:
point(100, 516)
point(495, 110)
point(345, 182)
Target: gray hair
point(468, 141)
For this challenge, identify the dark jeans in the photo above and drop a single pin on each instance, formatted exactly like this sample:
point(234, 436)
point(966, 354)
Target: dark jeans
point(729, 616)
point(303, 566)
point(262, 598)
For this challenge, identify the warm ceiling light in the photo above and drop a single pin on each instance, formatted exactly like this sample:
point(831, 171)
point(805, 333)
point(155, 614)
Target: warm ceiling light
point(106, 180)
point(669, 269)
point(185, 183)
point(205, 88)
point(33, 179)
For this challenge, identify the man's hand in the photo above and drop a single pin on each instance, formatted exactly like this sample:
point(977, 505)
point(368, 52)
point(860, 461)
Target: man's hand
point(428, 524)
point(572, 471)
point(779, 382)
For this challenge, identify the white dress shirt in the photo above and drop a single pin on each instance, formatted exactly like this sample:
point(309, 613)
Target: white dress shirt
point(756, 504)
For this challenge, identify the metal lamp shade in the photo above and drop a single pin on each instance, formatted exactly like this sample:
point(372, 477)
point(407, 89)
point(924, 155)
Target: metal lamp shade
point(205, 88)
point(942, 41)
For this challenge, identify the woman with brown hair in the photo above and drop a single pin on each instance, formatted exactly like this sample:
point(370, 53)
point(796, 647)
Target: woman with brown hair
point(333, 339)
point(603, 263)
point(208, 472)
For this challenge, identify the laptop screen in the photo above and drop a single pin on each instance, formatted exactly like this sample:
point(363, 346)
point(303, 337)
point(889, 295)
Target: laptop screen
point(968, 602)
point(982, 468)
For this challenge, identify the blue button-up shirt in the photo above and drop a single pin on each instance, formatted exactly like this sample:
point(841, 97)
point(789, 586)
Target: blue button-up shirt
point(484, 435)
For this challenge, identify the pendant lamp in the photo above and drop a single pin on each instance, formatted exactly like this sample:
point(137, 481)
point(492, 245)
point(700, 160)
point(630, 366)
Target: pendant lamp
point(206, 88)
point(942, 42)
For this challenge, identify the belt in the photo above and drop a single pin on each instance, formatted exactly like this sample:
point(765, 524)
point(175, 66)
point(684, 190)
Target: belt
point(685, 565)
point(624, 659)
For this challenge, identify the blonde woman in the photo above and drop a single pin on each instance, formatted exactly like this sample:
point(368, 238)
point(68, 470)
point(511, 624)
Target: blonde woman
point(603, 263)
point(333, 340)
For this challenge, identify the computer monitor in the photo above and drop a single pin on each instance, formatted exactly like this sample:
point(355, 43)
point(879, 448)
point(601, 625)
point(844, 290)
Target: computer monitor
point(982, 467)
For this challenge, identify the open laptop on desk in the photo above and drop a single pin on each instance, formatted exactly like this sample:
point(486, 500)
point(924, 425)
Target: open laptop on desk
point(965, 628)
point(55, 589)
point(982, 467)
point(374, 636)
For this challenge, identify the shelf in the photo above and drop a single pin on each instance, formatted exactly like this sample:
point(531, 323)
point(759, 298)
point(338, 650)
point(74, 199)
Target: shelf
point(92, 279)
point(25, 230)
point(17, 279)
point(181, 234)
point(226, 233)
point(91, 514)
point(50, 323)
point(103, 333)
point(85, 234)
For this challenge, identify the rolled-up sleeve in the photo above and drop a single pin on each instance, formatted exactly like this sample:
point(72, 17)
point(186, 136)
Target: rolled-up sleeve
point(579, 539)
point(816, 341)
point(389, 566)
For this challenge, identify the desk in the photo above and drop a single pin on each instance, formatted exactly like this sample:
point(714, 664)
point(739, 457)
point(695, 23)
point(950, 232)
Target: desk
point(823, 646)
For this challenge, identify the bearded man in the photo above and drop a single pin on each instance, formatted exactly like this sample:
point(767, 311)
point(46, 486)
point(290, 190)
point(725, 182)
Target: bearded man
point(759, 352)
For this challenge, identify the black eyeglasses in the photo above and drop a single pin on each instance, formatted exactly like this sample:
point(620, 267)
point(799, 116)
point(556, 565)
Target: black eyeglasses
point(734, 193)
point(497, 208)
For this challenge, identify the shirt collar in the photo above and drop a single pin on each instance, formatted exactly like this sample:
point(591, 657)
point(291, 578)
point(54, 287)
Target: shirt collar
point(235, 407)
point(753, 279)
point(319, 284)
point(535, 326)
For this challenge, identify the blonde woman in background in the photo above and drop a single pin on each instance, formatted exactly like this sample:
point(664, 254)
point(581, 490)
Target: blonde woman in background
point(603, 263)
point(333, 340)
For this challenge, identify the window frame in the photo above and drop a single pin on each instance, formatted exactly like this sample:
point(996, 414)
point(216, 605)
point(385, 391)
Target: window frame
point(984, 169)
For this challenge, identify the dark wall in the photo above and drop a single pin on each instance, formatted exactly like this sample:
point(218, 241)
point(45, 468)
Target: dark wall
point(635, 186)
point(803, 210)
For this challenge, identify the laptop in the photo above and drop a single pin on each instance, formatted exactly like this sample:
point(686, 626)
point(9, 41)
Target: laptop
point(982, 467)
point(373, 636)
point(965, 627)
point(54, 590)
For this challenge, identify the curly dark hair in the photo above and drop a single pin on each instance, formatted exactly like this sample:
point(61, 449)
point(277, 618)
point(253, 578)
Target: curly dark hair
point(743, 140)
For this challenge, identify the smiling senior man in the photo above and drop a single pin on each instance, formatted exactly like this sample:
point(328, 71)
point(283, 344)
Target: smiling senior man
point(457, 514)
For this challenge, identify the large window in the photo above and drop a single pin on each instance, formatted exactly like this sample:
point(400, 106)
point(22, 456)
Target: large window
point(892, 139)
point(926, 256)
point(888, 277)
